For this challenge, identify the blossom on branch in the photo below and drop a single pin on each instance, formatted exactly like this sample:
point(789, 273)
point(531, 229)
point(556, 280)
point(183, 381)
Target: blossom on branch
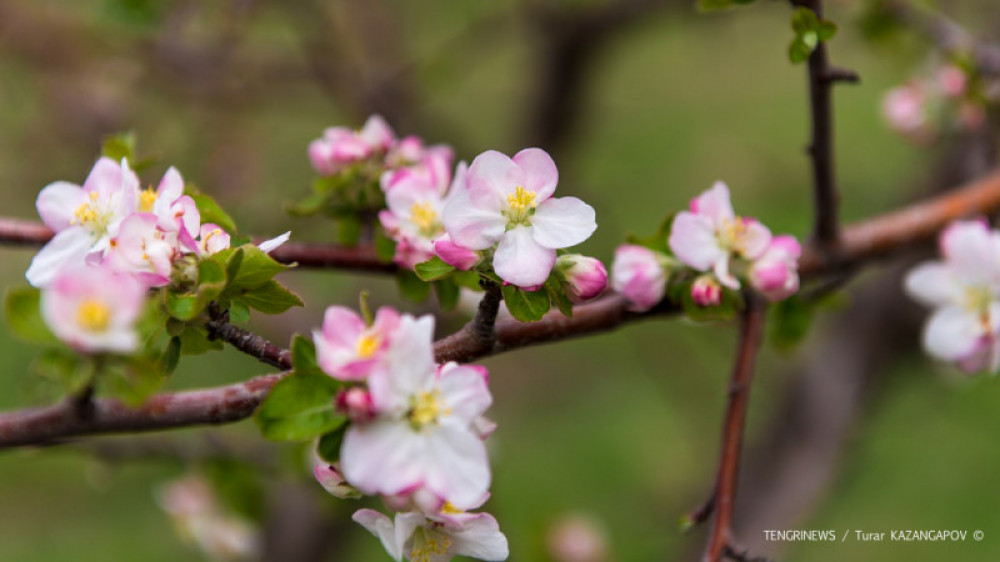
point(639, 274)
point(775, 274)
point(416, 203)
point(341, 146)
point(507, 206)
point(583, 277)
point(964, 290)
point(347, 348)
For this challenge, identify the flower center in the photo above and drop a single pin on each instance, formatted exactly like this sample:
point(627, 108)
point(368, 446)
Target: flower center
point(368, 344)
point(732, 235)
point(424, 217)
point(426, 408)
point(977, 299)
point(89, 216)
point(428, 542)
point(93, 316)
point(522, 204)
point(146, 200)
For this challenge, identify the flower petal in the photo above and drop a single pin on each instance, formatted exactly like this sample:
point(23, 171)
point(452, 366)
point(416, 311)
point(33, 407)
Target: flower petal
point(693, 241)
point(383, 457)
point(67, 248)
point(472, 222)
point(540, 172)
point(495, 173)
point(58, 203)
point(382, 527)
point(464, 389)
point(714, 204)
point(521, 261)
point(952, 333)
point(456, 464)
point(934, 284)
point(268, 246)
point(480, 537)
point(563, 222)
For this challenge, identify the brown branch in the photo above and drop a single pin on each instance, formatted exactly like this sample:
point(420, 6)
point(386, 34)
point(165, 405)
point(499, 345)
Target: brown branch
point(248, 342)
point(822, 77)
point(720, 541)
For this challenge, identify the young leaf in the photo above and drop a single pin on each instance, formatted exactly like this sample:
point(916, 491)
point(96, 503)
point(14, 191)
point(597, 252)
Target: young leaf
point(238, 312)
point(447, 293)
point(211, 282)
point(328, 447)
point(308, 206)
point(270, 298)
point(211, 212)
point(304, 356)
point(411, 287)
point(433, 269)
point(71, 371)
point(790, 321)
point(299, 407)
point(171, 356)
point(799, 51)
point(118, 146)
point(348, 230)
point(254, 268)
point(526, 306)
point(194, 341)
point(826, 30)
point(24, 317)
point(558, 296)
point(804, 20)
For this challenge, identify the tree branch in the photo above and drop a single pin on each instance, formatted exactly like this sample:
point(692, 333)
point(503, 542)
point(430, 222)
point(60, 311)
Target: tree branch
point(720, 541)
point(248, 342)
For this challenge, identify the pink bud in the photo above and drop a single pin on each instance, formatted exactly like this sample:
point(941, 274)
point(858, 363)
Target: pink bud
point(706, 291)
point(455, 255)
point(356, 404)
point(333, 482)
point(638, 274)
point(952, 81)
point(583, 277)
point(775, 274)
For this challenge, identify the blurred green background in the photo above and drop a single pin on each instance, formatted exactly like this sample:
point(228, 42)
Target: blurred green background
point(623, 427)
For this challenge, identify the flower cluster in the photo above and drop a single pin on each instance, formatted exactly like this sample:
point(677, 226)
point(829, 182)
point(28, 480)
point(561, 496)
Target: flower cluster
point(964, 290)
point(114, 241)
point(720, 246)
point(415, 438)
point(921, 108)
point(199, 519)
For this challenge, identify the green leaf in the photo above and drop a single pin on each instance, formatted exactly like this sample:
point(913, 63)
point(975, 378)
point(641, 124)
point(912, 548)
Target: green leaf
point(118, 146)
point(447, 293)
point(411, 287)
point(233, 260)
point(132, 380)
point(804, 20)
point(299, 407)
point(71, 371)
point(211, 212)
point(24, 317)
point(211, 282)
point(270, 298)
point(238, 312)
point(308, 206)
point(558, 297)
point(810, 40)
point(254, 268)
point(790, 322)
point(526, 306)
point(171, 356)
point(826, 30)
point(304, 356)
point(799, 51)
point(194, 341)
point(433, 269)
point(329, 445)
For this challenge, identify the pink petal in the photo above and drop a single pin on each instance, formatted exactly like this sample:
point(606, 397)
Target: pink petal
point(563, 222)
point(714, 204)
point(472, 223)
point(494, 173)
point(693, 241)
point(540, 173)
point(521, 261)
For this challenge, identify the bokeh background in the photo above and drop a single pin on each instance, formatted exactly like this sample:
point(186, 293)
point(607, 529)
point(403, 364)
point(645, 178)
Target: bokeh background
point(643, 104)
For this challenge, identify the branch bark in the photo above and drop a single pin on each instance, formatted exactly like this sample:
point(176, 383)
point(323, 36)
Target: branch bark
point(720, 542)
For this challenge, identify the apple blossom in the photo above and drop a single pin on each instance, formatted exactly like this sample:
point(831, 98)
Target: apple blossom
point(84, 219)
point(457, 256)
point(330, 478)
point(584, 277)
point(952, 81)
point(176, 212)
point(775, 274)
point(410, 162)
point(211, 239)
point(93, 309)
point(706, 291)
point(964, 289)
point(639, 274)
point(905, 110)
point(413, 219)
point(340, 146)
point(346, 348)
point(356, 404)
point(198, 518)
point(424, 436)
point(421, 537)
point(711, 237)
point(508, 203)
point(142, 249)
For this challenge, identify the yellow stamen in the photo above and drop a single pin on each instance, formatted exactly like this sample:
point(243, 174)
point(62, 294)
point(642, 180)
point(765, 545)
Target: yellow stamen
point(424, 216)
point(146, 200)
point(732, 234)
point(428, 542)
point(521, 202)
point(426, 408)
point(86, 214)
point(368, 344)
point(93, 315)
point(450, 509)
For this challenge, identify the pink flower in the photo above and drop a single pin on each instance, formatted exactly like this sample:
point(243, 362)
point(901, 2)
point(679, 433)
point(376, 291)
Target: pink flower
point(905, 110)
point(346, 348)
point(83, 218)
point(455, 255)
point(212, 239)
point(638, 274)
point(413, 218)
point(143, 250)
point(356, 403)
point(424, 437)
point(706, 291)
point(176, 212)
point(952, 81)
point(410, 163)
point(330, 478)
point(340, 146)
point(776, 273)
point(964, 290)
point(710, 236)
point(508, 203)
point(438, 537)
point(93, 309)
point(584, 277)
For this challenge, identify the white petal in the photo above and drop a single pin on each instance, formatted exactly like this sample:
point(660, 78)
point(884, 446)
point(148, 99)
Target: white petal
point(693, 241)
point(540, 172)
point(521, 261)
point(495, 173)
point(67, 248)
point(58, 202)
point(465, 392)
point(952, 333)
point(268, 245)
point(383, 457)
point(715, 203)
point(480, 538)
point(473, 223)
point(457, 467)
point(563, 222)
point(381, 526)
point(934, 284)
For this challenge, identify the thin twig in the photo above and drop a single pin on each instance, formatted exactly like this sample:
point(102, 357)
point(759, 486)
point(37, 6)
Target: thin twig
point(751, 328)
point(248, 342)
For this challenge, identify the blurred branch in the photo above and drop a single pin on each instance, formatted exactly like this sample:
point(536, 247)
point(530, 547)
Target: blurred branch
point(720, 542)
point(947, 35)
point(822, 77)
